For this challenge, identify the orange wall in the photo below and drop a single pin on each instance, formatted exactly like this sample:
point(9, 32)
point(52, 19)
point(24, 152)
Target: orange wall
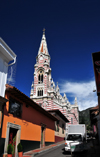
point(30, 123)
point(49, 135)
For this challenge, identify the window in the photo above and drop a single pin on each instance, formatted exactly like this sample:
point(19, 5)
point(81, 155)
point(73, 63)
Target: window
point(62, 128)
point(57, 126)
point(40, 92)
point(74, 137)
point(71, 120)
point(15, 107)
point(40, 77)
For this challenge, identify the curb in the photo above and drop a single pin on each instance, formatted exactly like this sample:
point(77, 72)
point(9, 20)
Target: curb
point(45, 150)
point(36, 153)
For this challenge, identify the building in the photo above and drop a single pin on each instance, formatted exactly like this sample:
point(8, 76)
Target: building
point(96, 66)
point(60, 124)
point(95, 121)
point(43, 89)
point(7, 58)
point(26, 122)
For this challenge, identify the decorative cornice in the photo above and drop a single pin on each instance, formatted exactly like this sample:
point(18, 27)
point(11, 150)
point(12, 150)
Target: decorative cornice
point(13, 126)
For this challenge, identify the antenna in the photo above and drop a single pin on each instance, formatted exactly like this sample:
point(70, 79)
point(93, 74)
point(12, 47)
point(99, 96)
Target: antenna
point(11, 74)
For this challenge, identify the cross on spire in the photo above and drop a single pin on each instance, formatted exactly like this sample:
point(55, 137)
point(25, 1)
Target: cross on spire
point(44, 31)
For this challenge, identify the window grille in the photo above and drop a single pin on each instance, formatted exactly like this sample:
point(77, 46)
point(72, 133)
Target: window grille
point(15, 107)
point(40, 92)
point(40, 77)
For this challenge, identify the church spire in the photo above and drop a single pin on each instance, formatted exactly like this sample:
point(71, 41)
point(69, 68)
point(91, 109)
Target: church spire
point(43, 45)
point(44, 31)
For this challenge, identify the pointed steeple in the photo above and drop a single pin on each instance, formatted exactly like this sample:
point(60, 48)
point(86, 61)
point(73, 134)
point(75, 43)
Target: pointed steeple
point(57, 88)
point(53, 85)
point(43, 45)
point(42, 48)
point(65, 97)
point(75, 100)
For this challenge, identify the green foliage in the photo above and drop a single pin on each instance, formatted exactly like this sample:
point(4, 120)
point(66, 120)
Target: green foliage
point(19, 147)
point(84, 118)
point(89, 127)
point(13, 144)
point(57, 129)
point(9, 149)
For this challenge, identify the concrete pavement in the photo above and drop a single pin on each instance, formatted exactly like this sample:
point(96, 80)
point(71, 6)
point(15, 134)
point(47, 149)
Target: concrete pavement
point(34, 152)
point(93, 149)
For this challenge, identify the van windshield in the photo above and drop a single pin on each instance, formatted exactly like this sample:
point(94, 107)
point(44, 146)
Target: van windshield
point(74, 137)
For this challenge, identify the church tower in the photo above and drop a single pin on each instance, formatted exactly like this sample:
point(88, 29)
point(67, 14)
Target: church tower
point(43, 89)
point(42, 73)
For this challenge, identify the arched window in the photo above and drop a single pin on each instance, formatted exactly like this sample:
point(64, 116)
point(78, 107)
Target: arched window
point(40, 77)
point(40, 92)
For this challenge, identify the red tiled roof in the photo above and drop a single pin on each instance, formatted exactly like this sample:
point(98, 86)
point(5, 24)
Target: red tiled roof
point(60, 114)
point(3, 100)
point(95, 108)
point(24, 98)
point(95, 112)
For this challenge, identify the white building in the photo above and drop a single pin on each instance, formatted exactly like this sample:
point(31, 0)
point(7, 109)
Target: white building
point(6, 56)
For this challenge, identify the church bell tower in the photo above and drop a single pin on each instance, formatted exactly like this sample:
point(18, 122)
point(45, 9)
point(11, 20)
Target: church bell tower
point(42, 72)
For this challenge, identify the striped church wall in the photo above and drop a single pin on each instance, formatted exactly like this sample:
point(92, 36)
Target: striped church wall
point(75, 111)
point(74, 119)
point(35, 83)
point(45, 84)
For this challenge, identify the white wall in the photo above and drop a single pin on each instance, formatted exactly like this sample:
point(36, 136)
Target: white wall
point(3, 76)
point(6, 55)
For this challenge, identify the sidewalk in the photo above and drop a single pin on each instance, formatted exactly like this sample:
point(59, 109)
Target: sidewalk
point(34, 152)
point(95, 149)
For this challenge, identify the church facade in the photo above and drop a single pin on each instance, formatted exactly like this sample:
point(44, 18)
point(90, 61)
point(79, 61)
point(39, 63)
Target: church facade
point(43, 89)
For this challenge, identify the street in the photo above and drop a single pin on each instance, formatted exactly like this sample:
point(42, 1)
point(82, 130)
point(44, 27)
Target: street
point(54, 152)
point(59, 152)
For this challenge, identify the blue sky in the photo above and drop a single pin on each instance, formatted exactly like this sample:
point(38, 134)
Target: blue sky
point(72, 33)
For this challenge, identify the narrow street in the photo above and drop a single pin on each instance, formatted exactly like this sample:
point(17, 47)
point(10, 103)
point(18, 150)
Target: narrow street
point(54, 152)
point(59, 152)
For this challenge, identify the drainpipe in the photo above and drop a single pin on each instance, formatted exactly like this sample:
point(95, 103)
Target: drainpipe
point(12, 62)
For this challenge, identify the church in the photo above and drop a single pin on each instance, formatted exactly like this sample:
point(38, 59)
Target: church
point(43, 89)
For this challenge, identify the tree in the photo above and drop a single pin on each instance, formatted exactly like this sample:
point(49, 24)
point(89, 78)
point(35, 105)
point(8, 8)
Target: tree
point(82, 120)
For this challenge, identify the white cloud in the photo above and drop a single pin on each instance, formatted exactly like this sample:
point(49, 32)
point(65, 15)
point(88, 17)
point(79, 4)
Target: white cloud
point(83, 91)
point(11, 74)
point(10, 79)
